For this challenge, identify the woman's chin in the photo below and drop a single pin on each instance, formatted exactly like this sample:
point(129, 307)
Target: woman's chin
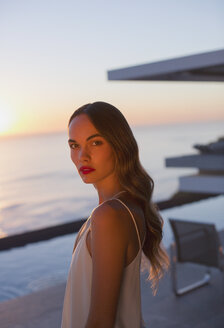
point(86, 179)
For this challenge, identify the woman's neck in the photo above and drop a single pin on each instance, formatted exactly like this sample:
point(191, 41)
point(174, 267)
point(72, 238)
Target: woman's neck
point(106, 196)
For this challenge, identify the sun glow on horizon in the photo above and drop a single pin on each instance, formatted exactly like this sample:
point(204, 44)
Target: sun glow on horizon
point(6, 119)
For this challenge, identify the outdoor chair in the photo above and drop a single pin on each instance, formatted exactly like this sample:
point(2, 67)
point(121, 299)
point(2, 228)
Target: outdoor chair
point(198, 243)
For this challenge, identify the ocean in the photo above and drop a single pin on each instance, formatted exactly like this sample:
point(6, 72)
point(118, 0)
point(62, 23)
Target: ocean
point(41, 187)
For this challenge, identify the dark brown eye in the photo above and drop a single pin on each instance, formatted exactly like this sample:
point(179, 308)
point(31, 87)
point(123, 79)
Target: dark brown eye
point(97, 142)
point(73, 146)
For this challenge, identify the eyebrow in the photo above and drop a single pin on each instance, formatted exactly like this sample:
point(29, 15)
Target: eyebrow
point(90, 137)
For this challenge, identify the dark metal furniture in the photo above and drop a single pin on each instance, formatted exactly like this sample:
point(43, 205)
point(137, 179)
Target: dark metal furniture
point(195, 243)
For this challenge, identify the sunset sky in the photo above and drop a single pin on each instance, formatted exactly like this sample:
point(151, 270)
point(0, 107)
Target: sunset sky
point(55, 56)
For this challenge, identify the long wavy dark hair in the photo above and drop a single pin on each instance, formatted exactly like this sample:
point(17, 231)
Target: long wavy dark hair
point(113, 126)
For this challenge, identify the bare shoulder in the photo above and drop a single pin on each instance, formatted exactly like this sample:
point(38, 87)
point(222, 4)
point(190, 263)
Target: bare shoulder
point(110, 216)
point(108, 213)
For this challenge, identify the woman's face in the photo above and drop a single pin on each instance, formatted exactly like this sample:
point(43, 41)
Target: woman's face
point(89, 149)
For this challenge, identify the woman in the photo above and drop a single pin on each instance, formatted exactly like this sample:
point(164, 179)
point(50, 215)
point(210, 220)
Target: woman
point(103, 286)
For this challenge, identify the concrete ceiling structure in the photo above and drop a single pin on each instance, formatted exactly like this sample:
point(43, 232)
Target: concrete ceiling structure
point(204, 67)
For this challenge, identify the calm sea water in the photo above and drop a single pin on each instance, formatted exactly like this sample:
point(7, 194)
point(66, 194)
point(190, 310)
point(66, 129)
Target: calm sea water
point(39, 185)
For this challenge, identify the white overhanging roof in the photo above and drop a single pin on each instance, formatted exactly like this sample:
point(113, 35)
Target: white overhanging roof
point(208, 66)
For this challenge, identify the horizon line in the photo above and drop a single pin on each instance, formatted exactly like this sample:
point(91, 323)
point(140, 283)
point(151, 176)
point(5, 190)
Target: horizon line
point(138, 125)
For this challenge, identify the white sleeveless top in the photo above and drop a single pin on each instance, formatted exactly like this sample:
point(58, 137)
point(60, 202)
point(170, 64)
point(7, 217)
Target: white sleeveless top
point(78, 287)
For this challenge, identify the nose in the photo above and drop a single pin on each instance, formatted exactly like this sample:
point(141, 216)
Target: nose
point(83, 154)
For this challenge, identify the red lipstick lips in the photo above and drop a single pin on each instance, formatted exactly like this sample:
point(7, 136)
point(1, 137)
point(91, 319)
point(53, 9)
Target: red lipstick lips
point(86, 169)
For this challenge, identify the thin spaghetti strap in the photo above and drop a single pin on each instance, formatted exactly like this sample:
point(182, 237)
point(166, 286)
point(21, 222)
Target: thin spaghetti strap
point(140, 244)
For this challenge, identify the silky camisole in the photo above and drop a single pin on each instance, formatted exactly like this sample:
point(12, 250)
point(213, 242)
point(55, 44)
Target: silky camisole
point(78, 288)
